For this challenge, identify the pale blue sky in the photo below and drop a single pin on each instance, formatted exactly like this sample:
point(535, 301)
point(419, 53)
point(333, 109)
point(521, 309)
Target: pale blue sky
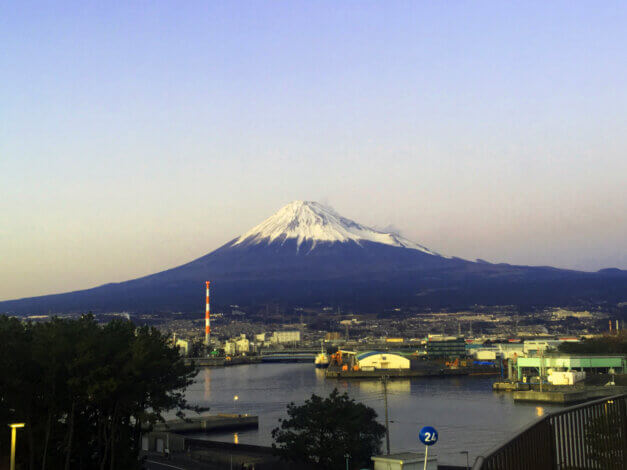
point(135, 136)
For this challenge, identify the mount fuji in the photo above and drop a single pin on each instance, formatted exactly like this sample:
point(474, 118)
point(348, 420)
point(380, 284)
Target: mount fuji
point(308, 254)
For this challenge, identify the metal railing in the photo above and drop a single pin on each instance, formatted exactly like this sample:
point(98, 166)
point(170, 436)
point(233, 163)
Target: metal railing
point(592, 435)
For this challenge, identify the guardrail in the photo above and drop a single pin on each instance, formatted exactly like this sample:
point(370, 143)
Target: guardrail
point(592, 435)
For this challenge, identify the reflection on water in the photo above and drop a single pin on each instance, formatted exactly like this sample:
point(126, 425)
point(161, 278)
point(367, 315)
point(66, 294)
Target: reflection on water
point(235, 438)
point(464, 410)
point(394, 386)
point(206, 374)
point(539, 411)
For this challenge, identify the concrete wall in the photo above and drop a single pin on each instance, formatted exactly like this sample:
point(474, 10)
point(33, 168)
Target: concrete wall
point(159, 442)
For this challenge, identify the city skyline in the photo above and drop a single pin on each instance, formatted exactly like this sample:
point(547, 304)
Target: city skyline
point(134, 139)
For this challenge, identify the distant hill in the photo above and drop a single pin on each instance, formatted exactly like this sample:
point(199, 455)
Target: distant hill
point(308, 254)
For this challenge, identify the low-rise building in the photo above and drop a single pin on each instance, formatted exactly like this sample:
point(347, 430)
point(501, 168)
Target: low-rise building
point(445, 347)
point(183, 346)
point(535, 347)
point(242, 345)
point(534, 366)
point(374, 360)
point(230, 348)
point(280, 337)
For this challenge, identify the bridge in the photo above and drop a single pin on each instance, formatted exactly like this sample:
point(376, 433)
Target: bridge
point(272, 355)
point(288, 356)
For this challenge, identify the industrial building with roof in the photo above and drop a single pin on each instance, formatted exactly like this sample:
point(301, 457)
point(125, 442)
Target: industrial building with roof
point(445, 347)
point(374, 360)
point(589, 363)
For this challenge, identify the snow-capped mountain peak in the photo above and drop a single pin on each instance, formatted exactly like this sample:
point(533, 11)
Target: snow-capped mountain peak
point(309, 221)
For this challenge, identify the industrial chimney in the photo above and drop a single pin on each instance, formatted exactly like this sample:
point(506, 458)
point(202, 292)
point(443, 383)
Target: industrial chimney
point(207, 321)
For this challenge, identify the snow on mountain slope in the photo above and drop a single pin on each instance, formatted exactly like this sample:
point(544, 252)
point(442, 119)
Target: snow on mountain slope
point(308, 221)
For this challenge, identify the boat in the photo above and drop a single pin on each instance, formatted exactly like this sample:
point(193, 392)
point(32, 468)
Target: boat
point(322, 359)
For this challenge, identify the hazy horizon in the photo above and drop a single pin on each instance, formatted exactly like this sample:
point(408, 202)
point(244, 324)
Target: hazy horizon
point(135, 138)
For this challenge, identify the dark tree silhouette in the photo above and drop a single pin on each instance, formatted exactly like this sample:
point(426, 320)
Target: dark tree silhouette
point(322, 431)
point(85, 390)
point(603, 345)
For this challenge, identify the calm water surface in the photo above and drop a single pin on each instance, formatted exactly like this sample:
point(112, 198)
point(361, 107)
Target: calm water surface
point(464, 410)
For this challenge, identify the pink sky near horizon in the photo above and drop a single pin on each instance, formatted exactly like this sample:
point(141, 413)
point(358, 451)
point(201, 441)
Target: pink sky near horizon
point(134, 138)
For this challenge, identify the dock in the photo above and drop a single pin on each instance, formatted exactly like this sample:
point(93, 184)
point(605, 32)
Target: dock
point(509, 386)
point(208, 423)
point(566, 397)
point(335, 373)
point(222, 361)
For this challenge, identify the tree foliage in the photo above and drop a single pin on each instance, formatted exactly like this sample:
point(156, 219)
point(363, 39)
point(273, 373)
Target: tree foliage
point(323, 431)
point(85, 390)
point(603, 345)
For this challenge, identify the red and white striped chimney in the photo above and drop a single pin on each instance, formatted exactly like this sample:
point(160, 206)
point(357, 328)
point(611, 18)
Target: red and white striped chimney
point(207, 321)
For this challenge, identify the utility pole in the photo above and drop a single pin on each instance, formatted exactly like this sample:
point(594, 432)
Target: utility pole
point(384, 379)
point(541, 367)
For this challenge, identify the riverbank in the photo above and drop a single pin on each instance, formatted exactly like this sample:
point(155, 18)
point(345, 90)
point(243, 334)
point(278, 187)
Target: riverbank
point(222, 361)
point(593, 387)
point(208, 423)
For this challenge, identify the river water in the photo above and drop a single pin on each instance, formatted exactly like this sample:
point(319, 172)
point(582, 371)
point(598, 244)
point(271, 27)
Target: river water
point(466, 412)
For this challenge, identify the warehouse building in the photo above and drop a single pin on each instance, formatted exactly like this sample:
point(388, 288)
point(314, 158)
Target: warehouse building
point(374, 360)
point(591, 364)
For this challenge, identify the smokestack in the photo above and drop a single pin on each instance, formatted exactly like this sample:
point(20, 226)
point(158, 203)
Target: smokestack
point(207, 321)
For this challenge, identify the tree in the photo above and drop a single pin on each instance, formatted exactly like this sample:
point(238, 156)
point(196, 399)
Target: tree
point(323, 430)
point(603, 345)
point(85, 391)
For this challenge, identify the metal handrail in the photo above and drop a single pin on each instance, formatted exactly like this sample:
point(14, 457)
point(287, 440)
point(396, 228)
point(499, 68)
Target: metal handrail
point(478, 464)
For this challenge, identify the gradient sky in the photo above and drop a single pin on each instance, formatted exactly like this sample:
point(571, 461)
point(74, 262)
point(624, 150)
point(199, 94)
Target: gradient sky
point(135, 136)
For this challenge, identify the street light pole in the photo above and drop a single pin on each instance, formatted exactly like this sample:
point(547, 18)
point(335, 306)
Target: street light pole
point(14, 427)
point(384, 379)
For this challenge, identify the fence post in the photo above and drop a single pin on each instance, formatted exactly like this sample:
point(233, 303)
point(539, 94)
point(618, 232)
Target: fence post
point(552, 443)
point(622, 405)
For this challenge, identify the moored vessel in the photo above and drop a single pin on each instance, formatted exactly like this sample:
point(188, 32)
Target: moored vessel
point(322, 359)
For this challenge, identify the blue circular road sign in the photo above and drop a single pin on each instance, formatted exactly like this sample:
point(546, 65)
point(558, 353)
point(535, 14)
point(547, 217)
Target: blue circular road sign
point(428, 435)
